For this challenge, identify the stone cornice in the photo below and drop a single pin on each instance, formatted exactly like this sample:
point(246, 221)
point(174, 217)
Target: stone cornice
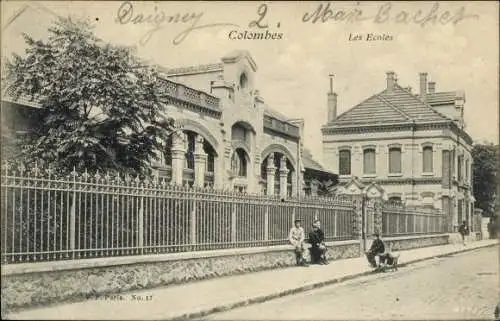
point(403, 181)
point(217, 114)
point(197, 69)
point(278, 126)
point(275, 132)
point(460, 132)
point(240, 54)
point(357, 129)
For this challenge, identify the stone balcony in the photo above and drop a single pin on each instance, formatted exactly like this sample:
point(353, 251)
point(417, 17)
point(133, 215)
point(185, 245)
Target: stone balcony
point(194, 98)
point(281, 127)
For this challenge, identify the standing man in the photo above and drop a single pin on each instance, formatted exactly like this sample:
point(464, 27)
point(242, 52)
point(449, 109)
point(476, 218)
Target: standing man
point(463, 230)
point(296, 238)
point(377, 248)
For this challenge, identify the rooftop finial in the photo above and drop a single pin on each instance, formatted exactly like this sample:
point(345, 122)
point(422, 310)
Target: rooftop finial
point(331, 82)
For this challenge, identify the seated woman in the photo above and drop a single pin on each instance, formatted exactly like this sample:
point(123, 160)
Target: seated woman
point(376, 249)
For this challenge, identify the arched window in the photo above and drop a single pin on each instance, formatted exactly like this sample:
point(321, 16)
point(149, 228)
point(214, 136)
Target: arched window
point(369, 161)
point(395, 160)
point(210, 152)
point(166, 156)
point(190, 142)
point(345, 162)
point(460, 167)
point(395, 200)
point(467, 171)
point(243, 81)
point(427, 159)
point(239, 163)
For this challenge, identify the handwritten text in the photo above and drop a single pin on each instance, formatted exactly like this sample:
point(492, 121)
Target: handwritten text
point(157, 19)
point(387, 14)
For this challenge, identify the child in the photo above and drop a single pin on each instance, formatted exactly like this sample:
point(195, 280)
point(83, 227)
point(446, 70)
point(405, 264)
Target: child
point(296, 238)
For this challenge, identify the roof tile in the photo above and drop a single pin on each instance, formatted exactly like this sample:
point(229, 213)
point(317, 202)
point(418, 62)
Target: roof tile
point(398, 106)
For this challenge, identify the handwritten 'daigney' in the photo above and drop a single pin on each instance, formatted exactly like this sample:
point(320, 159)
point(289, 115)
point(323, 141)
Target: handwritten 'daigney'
point(127, 14)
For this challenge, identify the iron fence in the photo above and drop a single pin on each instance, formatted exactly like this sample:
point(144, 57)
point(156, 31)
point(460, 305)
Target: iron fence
point(398, 220)
point(48, 217)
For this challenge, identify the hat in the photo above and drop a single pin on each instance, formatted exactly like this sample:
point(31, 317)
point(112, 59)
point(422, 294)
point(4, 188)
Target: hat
point(376, 234)
point(297, 220)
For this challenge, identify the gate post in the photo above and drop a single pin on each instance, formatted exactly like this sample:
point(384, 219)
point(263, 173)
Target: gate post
point(192, 222)
point(233, 223)
point(357, 222)
point(377, 219)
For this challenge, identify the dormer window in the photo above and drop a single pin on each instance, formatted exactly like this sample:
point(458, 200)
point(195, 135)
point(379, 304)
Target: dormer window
point(243, 81)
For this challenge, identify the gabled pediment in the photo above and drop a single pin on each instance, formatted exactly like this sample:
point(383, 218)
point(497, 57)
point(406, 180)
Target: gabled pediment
point(354, 186)
point(374, 191)
point(238, 55)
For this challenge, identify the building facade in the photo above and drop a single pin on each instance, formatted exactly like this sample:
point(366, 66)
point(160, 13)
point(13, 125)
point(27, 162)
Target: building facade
point(229, 138)
point(404, 147)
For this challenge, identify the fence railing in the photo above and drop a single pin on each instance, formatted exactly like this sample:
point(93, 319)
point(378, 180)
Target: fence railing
point(47, 217)
point(398, 220)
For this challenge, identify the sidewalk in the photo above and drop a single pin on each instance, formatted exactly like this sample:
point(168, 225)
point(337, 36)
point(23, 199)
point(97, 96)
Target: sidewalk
point(194, 300)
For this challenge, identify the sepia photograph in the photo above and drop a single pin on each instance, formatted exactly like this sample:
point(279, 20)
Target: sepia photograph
point(250, 160)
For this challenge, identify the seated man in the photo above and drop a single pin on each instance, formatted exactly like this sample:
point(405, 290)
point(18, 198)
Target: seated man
point(318, 248)
point(377, 248)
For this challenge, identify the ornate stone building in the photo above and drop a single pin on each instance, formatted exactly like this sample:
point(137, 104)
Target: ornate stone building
point(406, 147)
point(230, 137)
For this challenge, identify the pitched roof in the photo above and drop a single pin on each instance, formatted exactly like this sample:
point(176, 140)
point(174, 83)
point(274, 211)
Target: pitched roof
point(309, 163)
point(446, 97)
point(236, 55)
point(398, 106)
point(275, 114)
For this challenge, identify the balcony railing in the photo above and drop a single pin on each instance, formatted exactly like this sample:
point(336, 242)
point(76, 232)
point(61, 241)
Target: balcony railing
point(281, 127)
point(190, 95)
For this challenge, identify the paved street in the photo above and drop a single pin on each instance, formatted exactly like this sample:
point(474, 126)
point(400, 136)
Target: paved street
point(463, 286)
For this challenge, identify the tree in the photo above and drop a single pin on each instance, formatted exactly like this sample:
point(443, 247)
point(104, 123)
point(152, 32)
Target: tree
point(326, 188)
point(100, 103)
point(485, 160)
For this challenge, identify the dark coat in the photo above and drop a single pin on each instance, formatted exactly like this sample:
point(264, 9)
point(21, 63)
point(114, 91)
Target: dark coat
point(463, 229)
point(377, 247)
point(316, 237)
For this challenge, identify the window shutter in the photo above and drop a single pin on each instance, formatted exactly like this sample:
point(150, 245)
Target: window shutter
point(345, 162)
point(394, 160)
point(427, 155)
point(369, 161)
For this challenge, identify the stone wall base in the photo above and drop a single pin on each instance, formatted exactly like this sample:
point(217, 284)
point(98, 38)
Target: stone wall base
point(27, 288)
point(412, 242)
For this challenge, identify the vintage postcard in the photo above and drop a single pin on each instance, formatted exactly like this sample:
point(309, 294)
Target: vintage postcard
point(249, 160)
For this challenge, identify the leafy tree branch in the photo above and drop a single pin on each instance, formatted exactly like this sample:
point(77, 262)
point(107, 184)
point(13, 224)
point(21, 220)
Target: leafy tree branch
point(100, 105)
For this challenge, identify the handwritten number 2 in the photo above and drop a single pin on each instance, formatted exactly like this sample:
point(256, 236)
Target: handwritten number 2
point(261, 11)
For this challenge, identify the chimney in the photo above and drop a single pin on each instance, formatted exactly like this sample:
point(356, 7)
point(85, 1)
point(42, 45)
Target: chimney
point(332, 102)
point(432, 87)
point(391, 81)
point(423, 84)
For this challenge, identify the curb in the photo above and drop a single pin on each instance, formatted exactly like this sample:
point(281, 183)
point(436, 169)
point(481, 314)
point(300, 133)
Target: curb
point(264, 298)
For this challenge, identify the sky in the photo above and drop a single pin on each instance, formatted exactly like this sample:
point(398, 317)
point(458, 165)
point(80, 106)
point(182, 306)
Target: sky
point(293, 71)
